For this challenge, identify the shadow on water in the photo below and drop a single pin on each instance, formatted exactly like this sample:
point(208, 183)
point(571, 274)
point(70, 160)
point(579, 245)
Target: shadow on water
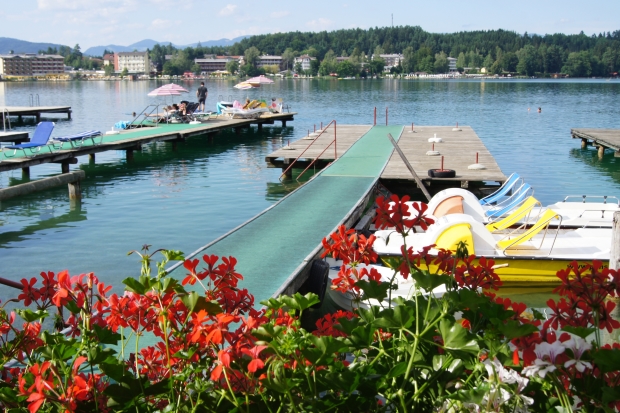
point(609, 166)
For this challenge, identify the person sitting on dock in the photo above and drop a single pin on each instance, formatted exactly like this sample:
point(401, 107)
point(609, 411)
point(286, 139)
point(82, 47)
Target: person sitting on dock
point(247, 104)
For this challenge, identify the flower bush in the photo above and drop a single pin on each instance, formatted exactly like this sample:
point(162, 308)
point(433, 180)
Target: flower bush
point(161, 346)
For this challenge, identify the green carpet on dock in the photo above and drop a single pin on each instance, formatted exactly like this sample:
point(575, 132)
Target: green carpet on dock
point(271, 246)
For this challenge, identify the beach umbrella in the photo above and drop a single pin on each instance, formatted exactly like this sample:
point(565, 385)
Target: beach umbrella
point(245, 85)
point(259, 80)
point(170, 89)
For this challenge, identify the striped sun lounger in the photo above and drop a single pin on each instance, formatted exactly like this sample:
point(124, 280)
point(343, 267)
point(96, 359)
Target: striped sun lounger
point(78, 139)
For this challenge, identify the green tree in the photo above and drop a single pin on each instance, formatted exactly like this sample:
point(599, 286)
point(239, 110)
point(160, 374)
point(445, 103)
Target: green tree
point(232, 66)
point(250, 56)
point(298, 67)
point(108, 70)
point(124, 72)
point(461, 61)
point(196, 69)
point(347, 69)
point(408, 60)
point(488, 62)
point(528, 60)
point(376, 65)
point(441, 63)
point(509, 62)
point(329, 64)
point(314, 67)
point(611, 60)
point(552, 59)
point(578, 64)
point(288, 58)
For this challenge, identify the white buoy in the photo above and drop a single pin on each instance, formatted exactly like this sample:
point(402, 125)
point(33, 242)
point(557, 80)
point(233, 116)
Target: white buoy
point(433, 153)
point(112, 132)
point(195, 122)
point(457, 129)
point(435, 140)
point(476, 166)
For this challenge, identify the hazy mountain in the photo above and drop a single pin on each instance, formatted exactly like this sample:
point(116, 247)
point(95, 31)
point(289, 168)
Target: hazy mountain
point(21, 46)
point(148, 44)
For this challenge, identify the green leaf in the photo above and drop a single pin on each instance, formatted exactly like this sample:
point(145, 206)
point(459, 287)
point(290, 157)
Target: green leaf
point(392, 262)
point(196, 302)
point(300, 302)
point(31, 316)
point(374, 289)
point(172, 255)
point(272, 303)
point(398, 370)
point(105, 335)
point(582, 332)
point(401, 316)
point(455, 337)
point(607, 360)
point(326, 348)
point(428, 281)
point(361, 336)
point(514, 329)
point(134, 285)
point(611, 394)
point(72, 306)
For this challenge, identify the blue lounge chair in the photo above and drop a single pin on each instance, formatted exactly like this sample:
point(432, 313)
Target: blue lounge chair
point(508, 204)
point(40, 138)
point(503, 191)
point(78, 139)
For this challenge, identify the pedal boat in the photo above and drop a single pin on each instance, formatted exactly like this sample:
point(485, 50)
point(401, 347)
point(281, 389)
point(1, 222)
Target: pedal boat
point(533, 254)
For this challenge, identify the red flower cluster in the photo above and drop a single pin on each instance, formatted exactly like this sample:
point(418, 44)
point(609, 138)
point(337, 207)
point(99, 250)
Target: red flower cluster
point(583, 303)
point(396, 213)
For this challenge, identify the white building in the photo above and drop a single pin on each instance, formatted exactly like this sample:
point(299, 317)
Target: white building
point(391, 60)
point(304, 60)
point(452, 65)
point(268, 60)
point(135, 62)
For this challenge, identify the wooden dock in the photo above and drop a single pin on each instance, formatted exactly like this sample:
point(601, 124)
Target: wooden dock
point(36, 111)
point(15, 137)
point(602, 138)
point(459, 149)
point(132, 140)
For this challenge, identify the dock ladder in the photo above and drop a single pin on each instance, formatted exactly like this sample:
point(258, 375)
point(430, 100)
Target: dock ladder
point(6, 118)
point(34, 99)
point(315, 159)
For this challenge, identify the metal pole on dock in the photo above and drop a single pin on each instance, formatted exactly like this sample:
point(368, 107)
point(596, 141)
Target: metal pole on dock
point(386, 116)
point(375, 121)
point(335, 151)
point(408, 165)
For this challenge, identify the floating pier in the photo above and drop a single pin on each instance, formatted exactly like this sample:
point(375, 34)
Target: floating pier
point(36, 111)
point(601, 138)
point(459, 149)
point(15, 137)
point(275, 249)
point(129, 140)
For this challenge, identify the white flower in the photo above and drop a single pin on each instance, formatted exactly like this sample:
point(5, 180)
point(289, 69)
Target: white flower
point(539, 367)
point(578, 346)
point(549, 350)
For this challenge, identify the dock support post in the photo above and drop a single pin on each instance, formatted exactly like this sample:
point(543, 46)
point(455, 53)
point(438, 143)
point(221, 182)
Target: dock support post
point(174, 146)
point(601, 151)
point(91, 157)
point(283, 123)
point(287, 173)
point(69, 114)
point(75, 191)
point(614, 264)
point(64, 167)
point(238, 131)
point(19, 118)
point(26, 172)
point(584, 143)
point(260, 126)
point(129, 155)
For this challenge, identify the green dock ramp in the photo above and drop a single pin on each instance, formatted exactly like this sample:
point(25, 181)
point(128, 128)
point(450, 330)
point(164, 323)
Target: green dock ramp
point(271, 246)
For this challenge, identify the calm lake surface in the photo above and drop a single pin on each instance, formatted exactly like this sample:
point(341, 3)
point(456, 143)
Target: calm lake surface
point(186, 198)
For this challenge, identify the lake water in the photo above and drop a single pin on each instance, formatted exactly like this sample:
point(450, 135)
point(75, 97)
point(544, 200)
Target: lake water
point(184, 199)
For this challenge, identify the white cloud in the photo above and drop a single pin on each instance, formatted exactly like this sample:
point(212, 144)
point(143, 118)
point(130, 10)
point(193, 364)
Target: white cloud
point(230, 9)
point(320, 24)
point(279, 14)
point(58, 5)
point(161, 24)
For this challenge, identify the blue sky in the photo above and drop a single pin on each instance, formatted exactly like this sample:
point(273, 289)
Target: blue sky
point(102, 22)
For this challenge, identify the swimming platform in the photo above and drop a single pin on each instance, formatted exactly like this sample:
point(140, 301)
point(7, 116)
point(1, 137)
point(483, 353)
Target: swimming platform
point(274, 248)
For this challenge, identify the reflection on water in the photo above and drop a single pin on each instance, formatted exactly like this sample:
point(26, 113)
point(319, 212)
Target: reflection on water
point(184, 198)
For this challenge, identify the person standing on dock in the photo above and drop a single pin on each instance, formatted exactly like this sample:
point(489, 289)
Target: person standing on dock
point(201, 94)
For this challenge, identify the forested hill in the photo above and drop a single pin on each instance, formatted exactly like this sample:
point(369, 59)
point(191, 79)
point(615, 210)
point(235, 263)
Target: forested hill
point(397, 39)
point(497, 50)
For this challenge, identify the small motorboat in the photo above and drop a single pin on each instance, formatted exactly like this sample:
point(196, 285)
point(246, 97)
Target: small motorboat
point(533, 254)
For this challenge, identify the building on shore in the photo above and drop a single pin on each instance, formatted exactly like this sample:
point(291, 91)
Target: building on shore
point(452, 65)
point(391, 60)
point(267, 60)
point(134, 62)
point(304, 61)
point(31, 64)
point(213, 63)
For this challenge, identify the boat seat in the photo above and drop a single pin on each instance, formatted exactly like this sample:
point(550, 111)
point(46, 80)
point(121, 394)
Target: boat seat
point(519, 214)
point(451, 205)
point(496, 196)
point(454, 234)
point(542, 223)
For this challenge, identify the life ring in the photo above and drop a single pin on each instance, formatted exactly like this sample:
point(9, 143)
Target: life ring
point(441, 173)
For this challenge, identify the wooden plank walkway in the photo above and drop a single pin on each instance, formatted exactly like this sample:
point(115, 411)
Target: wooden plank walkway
point(603, 138)
point(15, 137)
point(133, 139)
point(459, 149)
point(36, 111)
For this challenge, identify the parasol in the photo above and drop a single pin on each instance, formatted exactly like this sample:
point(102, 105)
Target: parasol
point(245, 85)
point(170, 89)
point(259, 80)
